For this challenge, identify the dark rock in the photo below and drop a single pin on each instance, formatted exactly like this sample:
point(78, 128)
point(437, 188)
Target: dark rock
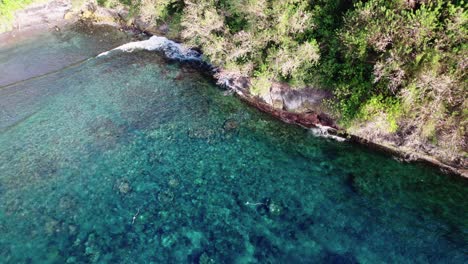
point(173, 182)
point(264, 248)
point(230, 125)
point(123, 186)
point(350, 182)
point(205, 259)
point(67, 202)
point(305, 223)
point(275, 209)
point(166, 196)
point(262, 209)
point(336, 258)
point(326, 120)
point(201, 133)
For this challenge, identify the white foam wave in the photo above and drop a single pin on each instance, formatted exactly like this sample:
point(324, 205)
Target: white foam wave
point(171, 49)
point(324, 131)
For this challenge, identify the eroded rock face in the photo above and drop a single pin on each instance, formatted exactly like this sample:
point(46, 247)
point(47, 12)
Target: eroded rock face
point(282, 96)
point(304, 107)
point(274, 97)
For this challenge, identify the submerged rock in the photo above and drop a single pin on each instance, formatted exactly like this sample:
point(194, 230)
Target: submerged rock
point(67, 202)
point(275, 209)
point(230, 125)
point(168, 240)
point(72, 229)
point(336, 258)
point(206, 259)
point(123, 186)
point(201, 133)
point(106, 132)
point(173, 182)
point(166, 196)
point(52, 226)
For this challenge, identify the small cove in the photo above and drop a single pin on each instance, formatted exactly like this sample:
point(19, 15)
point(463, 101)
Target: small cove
point(134, 158)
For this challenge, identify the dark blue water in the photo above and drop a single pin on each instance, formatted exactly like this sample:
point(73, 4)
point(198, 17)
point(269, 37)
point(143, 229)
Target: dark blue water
point(131, 158)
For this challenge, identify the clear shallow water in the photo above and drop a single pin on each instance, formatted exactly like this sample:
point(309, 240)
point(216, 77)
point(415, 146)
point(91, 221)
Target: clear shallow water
point(131, 158)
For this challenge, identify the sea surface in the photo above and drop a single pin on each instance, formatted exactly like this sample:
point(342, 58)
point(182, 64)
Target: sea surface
point(132, 157)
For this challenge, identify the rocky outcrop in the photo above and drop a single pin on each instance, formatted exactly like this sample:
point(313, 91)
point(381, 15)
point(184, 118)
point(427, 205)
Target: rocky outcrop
point(282, 96)
point(49, 14)
point(300, 107)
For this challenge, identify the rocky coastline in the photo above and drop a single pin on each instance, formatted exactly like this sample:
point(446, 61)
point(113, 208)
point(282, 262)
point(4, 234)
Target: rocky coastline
point(305, 107)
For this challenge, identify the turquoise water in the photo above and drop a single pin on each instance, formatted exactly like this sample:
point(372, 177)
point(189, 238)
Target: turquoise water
point(131, 158)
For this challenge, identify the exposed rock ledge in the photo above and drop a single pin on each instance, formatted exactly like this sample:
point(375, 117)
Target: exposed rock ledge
point(301, 107)
point(50, 14)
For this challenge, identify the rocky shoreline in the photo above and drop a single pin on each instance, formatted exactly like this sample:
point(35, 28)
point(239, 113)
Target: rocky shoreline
point(305, 107)
point(328, 127)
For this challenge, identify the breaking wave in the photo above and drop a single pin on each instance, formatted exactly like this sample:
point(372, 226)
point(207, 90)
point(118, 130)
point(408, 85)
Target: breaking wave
point(325, 132)
point(171, 49)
